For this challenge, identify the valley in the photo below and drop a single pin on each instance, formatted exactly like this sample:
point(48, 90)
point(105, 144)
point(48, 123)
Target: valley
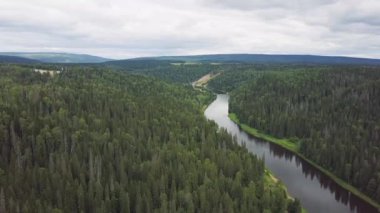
point(149, 110)
point(193, 106)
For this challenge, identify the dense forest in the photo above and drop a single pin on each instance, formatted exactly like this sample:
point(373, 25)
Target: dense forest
point(95, 140)
point(171, 71)
point(240, 74)
point(331, 113)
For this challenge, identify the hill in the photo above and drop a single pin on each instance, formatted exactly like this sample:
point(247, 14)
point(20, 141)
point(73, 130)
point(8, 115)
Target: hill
point(95, 140)
point(140, 63)
point(172, 71)
point(329, 114)
point(16, 60)
point(266, 58)
point(58, 57)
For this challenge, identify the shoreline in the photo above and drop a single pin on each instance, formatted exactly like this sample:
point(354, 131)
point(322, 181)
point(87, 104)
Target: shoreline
point(268, 175)
point(286, 144)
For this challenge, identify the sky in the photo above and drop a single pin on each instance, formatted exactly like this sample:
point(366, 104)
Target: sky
point(134, 28)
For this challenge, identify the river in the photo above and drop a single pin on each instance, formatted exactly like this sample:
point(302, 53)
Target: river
point(317, 192)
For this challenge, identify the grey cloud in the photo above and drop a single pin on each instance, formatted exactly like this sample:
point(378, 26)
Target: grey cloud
point(269, 4)
point(127, 28)
point(366, 19)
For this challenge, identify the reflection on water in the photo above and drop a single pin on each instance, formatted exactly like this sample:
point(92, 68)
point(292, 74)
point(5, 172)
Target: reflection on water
point(316, 191)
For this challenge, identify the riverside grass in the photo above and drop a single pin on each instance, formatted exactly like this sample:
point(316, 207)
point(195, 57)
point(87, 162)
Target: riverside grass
point(294, 147)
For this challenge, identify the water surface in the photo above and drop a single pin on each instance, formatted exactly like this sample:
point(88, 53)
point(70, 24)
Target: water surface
point(317, 192)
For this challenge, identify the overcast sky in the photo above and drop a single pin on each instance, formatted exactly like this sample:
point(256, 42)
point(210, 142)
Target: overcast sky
point(132, 28)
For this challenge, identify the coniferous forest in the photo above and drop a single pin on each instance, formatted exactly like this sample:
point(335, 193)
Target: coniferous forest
point(332, 114)
point(193, 106)
point(96, 140)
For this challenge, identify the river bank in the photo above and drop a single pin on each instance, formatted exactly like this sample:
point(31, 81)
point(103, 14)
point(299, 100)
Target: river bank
point(285, 143)
point(269, 178)
point(316, 191)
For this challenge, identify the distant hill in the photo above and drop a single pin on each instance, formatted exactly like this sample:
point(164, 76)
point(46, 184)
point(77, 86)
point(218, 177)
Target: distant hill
point(16, 60)
point(140, 63)
point(58, 57)
point(264, 58)
point(165, 60)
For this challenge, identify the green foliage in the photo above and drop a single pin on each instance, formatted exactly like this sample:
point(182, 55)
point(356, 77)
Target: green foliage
point(333, 114)
point(237, 75)
point(92, 140)
point(295, 207)
point(172, 71)
point(286, 143)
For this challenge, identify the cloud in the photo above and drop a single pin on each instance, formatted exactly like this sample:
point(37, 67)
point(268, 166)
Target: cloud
point(126, 28)
point(270, 4)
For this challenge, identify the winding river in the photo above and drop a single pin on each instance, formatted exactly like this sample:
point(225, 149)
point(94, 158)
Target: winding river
point(316, 191)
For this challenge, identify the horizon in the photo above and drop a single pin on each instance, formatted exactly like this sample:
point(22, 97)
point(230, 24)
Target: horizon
point(195, 55)
point(126, 29)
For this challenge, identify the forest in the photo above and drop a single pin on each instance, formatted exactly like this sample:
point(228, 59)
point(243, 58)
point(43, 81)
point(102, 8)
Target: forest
point(91, 139)
point(332, 114)
point(171, 71)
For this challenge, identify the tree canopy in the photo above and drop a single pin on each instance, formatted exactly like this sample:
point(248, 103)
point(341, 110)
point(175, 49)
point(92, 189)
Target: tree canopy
point(95, 140)
point(332, 114)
